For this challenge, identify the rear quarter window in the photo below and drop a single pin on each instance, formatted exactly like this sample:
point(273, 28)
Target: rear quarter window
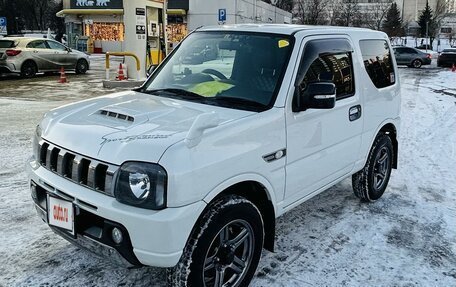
point(5, 44)
point(378, 62)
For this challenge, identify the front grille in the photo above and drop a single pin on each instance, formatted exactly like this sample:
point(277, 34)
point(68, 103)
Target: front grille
point(85, 171)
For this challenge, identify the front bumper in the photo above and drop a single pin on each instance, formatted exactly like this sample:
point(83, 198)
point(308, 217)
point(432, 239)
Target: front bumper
point(154, 238)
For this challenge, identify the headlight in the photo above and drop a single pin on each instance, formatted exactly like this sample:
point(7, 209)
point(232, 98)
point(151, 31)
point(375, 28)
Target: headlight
point(142, 185)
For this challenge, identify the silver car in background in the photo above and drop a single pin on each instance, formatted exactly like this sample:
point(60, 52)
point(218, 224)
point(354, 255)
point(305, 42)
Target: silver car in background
point(28, 56)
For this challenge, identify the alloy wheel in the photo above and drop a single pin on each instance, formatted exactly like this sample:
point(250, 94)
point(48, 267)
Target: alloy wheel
point(230, 255)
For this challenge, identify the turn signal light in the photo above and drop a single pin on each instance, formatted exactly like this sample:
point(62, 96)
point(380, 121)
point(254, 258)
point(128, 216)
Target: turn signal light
point(13, 53)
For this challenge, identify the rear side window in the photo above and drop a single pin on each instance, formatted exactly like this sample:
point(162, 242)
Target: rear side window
point(336, 68)
point(5, 44)
point(378, 62)
point(39, 44)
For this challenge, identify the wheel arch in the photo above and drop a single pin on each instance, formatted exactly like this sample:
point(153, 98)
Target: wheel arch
point(390, 130)
point(30, 61)
point(260, 193)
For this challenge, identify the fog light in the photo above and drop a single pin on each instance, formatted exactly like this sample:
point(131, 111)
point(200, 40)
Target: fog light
point(117, 236)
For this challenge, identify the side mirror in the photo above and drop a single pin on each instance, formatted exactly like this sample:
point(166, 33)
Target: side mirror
point(69, 50)
point(150, 70)
point(321, 95)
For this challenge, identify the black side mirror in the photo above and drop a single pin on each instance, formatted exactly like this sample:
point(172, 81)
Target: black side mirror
point(321, 95)
point(69, 50)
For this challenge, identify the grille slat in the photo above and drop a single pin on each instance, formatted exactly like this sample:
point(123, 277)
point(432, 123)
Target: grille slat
point(91, 176)
point(82, 170)
point(60, 158)
point(48, 156)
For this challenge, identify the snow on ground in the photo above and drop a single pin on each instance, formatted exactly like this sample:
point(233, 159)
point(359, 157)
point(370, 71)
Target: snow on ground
point(406, 238)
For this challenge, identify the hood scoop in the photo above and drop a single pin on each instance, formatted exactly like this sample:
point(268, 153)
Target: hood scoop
point(116, 115)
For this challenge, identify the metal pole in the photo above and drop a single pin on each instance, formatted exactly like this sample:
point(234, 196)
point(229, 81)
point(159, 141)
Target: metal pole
point(427, 34)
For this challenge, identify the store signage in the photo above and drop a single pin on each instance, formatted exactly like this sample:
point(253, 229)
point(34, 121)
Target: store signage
point(3, 30)
point(96, 4)
point(222, 15)
point(140, 22)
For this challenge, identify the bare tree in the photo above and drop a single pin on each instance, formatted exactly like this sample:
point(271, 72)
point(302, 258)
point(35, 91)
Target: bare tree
point(312, 12)
point(334, 11)
point(375, 14)
point(350, 14)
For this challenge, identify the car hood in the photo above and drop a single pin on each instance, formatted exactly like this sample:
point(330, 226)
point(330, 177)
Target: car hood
point(127, 126)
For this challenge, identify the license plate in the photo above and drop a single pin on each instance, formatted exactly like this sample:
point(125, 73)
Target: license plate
point(61, 213)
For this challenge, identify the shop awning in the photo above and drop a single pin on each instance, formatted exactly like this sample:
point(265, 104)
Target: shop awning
point(64, 12)
point(176, 12)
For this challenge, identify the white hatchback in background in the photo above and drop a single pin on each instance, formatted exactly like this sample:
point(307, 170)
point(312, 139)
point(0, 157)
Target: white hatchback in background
point(191, 170)
point(28, 56)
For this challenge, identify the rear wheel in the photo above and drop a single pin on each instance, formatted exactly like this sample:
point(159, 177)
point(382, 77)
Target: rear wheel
point(28, 69)
point(82, 66)
point(225, 249)
point(417, 63)
point(370, 183)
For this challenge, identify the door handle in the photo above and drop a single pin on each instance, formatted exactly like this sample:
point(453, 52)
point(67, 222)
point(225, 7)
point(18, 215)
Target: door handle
point(354, 113)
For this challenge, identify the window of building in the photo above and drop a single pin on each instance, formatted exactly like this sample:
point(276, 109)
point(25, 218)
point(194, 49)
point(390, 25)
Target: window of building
point(105, 31)
point(445, 30)
point(336, 68)
point(378, 63)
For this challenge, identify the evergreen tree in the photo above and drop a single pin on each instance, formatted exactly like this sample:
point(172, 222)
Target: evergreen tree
point(393, 22)
point(426, 16)
point(427, 23)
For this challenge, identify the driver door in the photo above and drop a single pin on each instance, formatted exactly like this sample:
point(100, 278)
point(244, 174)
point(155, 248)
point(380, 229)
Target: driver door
point(323, 144)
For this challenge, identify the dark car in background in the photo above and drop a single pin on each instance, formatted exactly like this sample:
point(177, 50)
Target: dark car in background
point(447, 58)
point(411, 57)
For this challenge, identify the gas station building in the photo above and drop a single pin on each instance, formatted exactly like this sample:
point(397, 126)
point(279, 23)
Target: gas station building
point(151, 28)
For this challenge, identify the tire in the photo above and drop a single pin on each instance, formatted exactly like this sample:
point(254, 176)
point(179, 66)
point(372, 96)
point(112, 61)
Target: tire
point(370, 183)
point(28, 69)
point(211, 246)
point(417, 63)
point(81, 66)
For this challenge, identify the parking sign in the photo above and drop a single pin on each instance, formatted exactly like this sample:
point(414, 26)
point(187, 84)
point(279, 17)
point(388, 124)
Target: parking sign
point(3, 26)
point(222, 15)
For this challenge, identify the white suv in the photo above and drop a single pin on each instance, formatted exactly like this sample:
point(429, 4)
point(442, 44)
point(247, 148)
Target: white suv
point(239, 125)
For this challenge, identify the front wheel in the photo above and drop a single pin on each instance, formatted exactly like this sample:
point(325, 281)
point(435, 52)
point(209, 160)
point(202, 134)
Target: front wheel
point(82, 66)
point(224, 250)
point(370, 183)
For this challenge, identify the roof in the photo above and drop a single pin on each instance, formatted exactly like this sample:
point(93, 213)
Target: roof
point(287, 29)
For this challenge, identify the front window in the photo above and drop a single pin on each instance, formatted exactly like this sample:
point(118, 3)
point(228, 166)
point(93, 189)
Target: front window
point(234, 70)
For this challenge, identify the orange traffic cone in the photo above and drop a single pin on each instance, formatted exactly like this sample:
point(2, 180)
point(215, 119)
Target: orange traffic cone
point(63, 78)
point(453, 68)
point(120, 73)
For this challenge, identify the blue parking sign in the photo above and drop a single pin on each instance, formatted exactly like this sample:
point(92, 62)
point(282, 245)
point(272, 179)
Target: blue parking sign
point(222, 15)
point(3, 26)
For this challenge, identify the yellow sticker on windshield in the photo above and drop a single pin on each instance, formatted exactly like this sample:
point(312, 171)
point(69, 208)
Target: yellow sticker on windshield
point(283, 43)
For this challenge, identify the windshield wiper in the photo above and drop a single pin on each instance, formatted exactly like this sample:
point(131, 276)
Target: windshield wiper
point(179, 93)
point(240, 102)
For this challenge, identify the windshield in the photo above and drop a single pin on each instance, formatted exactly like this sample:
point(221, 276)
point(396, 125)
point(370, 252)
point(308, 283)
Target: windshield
point(234, 70)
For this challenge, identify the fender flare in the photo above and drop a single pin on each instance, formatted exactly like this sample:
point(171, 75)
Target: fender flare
point(242, 178)
point(395, 122)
